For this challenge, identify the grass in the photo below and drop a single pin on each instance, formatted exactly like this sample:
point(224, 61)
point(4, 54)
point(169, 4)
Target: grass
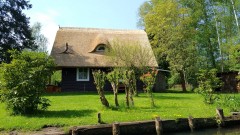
point(74, 109)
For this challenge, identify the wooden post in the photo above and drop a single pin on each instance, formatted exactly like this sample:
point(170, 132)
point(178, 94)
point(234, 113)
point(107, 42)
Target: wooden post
point(158, 125)
point(220, 115)
point(115, 129)
point(191, 123)
point(99, 118)
point(73, 131)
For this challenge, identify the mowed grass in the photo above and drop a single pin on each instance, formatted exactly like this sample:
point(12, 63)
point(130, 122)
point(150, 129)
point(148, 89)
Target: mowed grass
point(75, 109)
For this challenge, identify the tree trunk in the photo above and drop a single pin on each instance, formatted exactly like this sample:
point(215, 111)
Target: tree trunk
point(116, 99)
point(210, 48)
point(131, 96)
point(103, 99)
point(235, 15)
point(211, 54)
point(135, 88)
point(127, 96)
point(115, 91)
point(152, 101)
point(183, 82)
point(218, 36)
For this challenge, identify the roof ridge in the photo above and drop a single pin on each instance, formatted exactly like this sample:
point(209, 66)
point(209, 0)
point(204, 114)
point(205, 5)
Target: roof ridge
point(99, 29)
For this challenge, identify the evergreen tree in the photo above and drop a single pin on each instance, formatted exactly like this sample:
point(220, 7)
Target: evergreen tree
point(15, 32)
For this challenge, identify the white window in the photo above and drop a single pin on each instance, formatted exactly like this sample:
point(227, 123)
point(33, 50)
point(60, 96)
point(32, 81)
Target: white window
point(82, 74)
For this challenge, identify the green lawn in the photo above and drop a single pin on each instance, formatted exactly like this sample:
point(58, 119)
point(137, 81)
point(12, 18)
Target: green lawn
point(72, 109)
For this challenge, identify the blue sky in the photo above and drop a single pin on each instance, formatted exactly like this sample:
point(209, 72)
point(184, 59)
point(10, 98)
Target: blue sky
point(116, 14)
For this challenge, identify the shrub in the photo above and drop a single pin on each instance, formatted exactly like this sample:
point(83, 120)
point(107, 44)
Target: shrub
point(230, 101)
point(23, 82)
point(149, 81)
point(208, 82)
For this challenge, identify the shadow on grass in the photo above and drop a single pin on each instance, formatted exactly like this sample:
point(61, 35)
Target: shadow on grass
point(171, 97)
point(76, 93)
point(70, 93)
point(63, 113)
point(162, 97)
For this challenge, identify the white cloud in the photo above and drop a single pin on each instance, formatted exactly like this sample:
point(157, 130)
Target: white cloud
point(49, 25)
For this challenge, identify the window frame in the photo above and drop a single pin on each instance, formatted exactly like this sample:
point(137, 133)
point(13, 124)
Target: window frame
point(88, 77)
point(99, 46)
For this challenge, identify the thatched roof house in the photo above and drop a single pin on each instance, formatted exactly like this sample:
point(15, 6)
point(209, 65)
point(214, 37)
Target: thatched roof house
point(84, 42)
point(77, 50)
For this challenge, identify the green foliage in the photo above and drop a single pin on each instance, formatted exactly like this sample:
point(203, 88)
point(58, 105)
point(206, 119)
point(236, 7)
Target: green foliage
point(23, 82)
point(99, 81)
point(129, 81)
point(113, 77)
point(173, 80)
point(172, 37)
point(232, 102)
point(39, 39)
point(149, 81)
point(56, 78)
point(235, 59)
point(15, 32)
point(208, 82)
point(190, 35)
point(130, 54)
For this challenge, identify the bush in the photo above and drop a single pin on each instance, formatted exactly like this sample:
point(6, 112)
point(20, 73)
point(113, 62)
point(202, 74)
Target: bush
point(208, 82)
point(23, 82)
point(229, 101)
point(149, 80)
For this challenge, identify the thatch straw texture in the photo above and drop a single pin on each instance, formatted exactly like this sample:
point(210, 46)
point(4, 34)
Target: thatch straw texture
point(82, 43)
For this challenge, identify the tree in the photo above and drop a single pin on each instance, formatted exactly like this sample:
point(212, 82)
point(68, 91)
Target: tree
point(99, 81)
point(169, 25)
point(211, 26)
point(39, 39)
point(24, 81)
point(208, 82)
point(131, 55)
point(114, 77)
point(142, 12)
point(128, 77)
point(149, 81)
point(235, 59)
point(15, 32)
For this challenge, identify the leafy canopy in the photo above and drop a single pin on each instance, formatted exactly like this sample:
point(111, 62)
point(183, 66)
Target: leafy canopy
point(23, 82)
point(15, 32)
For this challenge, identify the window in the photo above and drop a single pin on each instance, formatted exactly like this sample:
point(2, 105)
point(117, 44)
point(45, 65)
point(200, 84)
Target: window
point(100, 48)
point(82, 74)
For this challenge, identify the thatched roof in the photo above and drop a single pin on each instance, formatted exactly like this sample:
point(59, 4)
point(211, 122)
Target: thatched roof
point(82, 42)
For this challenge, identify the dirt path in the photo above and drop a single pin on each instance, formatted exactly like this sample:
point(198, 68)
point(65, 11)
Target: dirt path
point(44, 131)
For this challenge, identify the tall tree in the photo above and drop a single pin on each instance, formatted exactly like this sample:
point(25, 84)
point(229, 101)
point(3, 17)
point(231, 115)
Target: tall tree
point(216, 30)
point(15, 32)
point(39, 39)
point(170, 26)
